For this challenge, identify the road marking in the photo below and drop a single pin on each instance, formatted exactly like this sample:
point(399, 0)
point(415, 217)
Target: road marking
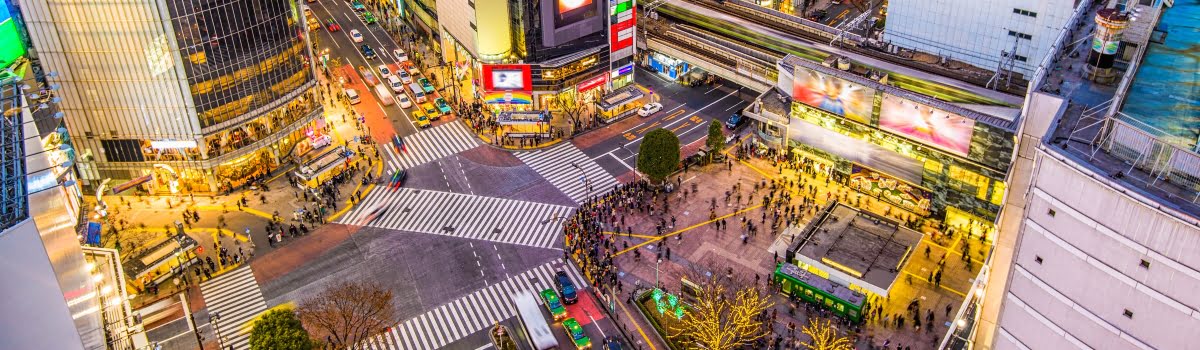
point(681, 126)
point(622, 162)
point(694, 114)
point(630, 137)
point(643, 130)
point(713, 89)
point(676, 114)
point(685, 229)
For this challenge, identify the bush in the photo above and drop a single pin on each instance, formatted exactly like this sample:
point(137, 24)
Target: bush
point(658, 155)
point(280, 329)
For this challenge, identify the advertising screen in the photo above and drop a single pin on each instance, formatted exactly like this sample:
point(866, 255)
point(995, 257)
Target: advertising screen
point(928, 125)
point(571, 11)
point(501, 77)
point(832, 94)
point(11, 46)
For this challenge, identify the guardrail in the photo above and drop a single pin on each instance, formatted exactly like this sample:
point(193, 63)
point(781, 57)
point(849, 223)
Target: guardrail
point(795, 22)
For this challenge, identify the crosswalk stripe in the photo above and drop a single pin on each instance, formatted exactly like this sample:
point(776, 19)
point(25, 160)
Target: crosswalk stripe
point(557, 165)
point(236, 297)
point(493, 219)
point(432, 144)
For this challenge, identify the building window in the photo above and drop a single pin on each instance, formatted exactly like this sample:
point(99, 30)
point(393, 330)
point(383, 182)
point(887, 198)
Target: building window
point(1128, 313)
point(1020, 35)
point(1050, 212)
point(1025, 13)
point(1037, 259)
point(1145, 264)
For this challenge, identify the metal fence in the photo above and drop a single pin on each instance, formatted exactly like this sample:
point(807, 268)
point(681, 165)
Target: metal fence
point(1168, 167)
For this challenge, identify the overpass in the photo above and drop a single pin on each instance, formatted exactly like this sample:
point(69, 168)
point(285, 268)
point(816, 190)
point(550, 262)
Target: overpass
point(750, 68)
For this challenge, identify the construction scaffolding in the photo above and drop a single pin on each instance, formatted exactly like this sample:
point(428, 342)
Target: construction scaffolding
point(14, 207)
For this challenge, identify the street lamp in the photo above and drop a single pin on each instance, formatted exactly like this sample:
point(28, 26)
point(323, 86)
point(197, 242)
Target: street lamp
point(586, 182)
point(656, 262)
point(212, 319)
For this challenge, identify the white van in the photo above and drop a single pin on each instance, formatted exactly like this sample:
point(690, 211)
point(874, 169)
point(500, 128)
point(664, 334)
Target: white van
point(397, 85)
point(384, 95)
point(352, 95)
point(416, 92)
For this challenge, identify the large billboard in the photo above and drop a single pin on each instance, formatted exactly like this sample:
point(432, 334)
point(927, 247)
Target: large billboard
point(11, 45)
point(832, 94)
point(935, 127)
point(571, 11)
point(506, 77)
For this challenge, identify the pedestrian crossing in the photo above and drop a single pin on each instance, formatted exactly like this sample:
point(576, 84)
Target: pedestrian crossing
point(472, 313)
point(234, 296)
point(569, 170)
point(462, 215)
point(430, 145)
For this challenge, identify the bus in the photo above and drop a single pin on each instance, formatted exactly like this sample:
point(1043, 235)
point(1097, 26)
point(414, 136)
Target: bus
point(530, 315)
point(804, 285)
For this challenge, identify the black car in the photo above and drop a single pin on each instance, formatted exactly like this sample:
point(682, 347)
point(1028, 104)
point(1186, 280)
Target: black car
point(566, 288)
point(368, 52)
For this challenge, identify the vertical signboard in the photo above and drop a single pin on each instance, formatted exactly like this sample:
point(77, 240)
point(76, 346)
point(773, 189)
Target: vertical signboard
point(622, 28)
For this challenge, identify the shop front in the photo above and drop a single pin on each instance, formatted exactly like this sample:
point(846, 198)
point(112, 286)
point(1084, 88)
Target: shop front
point(622, 76)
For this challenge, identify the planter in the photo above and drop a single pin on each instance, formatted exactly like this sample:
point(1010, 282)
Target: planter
point(502, 338)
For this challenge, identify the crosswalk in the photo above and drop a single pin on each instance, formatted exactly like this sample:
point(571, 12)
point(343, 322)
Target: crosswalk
point(462, 215)
point(472, 313)
point(234, 296)
point(430, 145)
point(569, 170)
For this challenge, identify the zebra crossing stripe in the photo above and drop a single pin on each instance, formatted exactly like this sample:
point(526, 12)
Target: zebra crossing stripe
point(474, 312)
point(557, 165)
point(236, 297)
point(433, 212)
point(433, 144)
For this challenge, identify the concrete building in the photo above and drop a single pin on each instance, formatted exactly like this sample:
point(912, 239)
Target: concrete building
point(1099, 233)
point(178, 95)
point(982, 33)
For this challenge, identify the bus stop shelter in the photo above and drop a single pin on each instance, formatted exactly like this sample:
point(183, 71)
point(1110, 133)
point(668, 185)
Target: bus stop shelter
point(321, 167)
point(518, 124)
point(622, 102)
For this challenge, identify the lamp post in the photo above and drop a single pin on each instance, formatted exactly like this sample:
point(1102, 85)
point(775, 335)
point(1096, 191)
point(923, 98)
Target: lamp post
point(656, 263)
point(213, 319)
point(587, 184)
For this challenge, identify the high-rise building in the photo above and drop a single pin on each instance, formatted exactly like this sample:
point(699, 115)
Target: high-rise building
point(1099, 236)
point(179, 95)
point(1009, 35)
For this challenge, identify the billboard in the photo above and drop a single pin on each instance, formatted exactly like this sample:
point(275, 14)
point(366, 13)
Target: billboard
point(11, 45)
point(571, 11)
point(832, 94)
point(935, 127)
point(506, 77)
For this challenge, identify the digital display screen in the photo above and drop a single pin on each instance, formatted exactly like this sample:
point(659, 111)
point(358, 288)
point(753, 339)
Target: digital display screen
point(928, 125)
point(832, 94)
point(508, 79)
point(565, 6)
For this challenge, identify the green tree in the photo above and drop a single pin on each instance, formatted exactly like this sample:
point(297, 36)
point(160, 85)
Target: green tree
point(280, 329)
point(658, 155)
point(716, 138)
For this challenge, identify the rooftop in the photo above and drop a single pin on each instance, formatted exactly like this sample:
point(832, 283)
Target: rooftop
point(1131, 150)
point(856, 247)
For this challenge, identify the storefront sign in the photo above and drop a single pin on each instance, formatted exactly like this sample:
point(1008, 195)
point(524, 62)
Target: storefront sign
point(592, 83)
point(890, 189)
point(624, 70)
point(167, 144)
point(125, 186)
point(508, 97)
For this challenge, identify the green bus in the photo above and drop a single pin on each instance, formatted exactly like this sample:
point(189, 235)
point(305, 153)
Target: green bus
point(810, 287)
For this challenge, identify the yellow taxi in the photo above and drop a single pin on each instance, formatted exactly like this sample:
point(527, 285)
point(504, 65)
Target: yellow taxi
point(422, 121)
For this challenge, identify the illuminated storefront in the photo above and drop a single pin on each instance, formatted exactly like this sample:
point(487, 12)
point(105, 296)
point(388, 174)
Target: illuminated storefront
point(927, 158)
point(666, 66)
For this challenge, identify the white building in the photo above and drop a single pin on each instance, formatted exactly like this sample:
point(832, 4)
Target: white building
point(979, 32)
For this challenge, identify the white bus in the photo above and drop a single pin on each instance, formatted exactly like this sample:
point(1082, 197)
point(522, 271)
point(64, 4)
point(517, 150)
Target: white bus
point(530, 315)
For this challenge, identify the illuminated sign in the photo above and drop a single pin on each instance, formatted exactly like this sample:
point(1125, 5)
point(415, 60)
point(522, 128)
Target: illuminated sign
point(591, 83)
point(11, 45)
point(565, 6)
point(506, 77)
point(167, 144)
point(508, 97)
point(621, 35)
point(925, 124)
point(832, 94)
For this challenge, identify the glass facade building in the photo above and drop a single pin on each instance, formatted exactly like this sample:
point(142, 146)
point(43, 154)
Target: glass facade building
point(193, 95)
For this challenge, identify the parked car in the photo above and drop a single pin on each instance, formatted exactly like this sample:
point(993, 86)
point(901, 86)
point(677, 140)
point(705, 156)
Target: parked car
point(566, 287)
point(401, 56)
point(649, 109)
point(358, 5)
point(369, 17)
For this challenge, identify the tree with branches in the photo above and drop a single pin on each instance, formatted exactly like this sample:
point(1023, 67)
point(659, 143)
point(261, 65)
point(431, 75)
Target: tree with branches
point(825, 336)
point(725, 315)
point(347, 313)
point(280, 329)
point(570, 108)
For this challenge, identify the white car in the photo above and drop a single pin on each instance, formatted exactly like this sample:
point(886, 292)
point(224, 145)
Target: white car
point(384, 72)
point(356, 35)
point(401, 56)
point(405, 102)
point(405, 77)
point(649, 108)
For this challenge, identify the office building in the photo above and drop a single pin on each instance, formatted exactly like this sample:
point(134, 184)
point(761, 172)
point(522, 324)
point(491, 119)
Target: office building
point(179, 96)
point(1009, 35)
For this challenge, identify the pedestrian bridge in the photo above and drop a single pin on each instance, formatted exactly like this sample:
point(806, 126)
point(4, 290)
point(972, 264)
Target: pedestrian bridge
point(744, 66)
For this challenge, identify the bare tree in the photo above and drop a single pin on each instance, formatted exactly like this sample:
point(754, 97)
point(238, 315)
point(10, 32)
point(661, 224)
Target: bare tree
point(825, 336)
point(569, 107)
point(347, 313)
point(725, 314)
